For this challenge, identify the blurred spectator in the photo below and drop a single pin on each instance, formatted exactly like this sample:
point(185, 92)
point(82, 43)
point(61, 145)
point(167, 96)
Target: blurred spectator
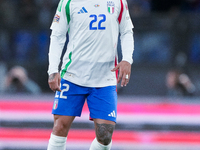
point(179, 84)
point(17, 81)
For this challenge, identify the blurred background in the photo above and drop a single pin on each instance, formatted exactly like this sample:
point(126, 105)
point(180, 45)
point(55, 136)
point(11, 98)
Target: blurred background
point(160, 107)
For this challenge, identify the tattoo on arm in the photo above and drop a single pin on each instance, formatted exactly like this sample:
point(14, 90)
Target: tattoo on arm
point(52, 76)
point(104, 133)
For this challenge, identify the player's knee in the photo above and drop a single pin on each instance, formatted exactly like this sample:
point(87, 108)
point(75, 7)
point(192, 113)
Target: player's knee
point(60, 127)
point(104, 133)
point(105, 140)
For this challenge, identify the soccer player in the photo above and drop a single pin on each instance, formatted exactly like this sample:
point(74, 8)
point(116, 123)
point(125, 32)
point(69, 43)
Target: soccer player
point(89, 66)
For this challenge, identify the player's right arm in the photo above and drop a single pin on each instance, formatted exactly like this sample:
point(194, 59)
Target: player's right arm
point(59, 29)
point(127, 44)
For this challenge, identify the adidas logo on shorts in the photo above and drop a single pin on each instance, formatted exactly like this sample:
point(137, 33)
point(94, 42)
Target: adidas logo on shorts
point(112, 114)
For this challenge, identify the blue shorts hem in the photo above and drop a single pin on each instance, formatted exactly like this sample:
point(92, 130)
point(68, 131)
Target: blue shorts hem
point(109, 119)
point(61, 114)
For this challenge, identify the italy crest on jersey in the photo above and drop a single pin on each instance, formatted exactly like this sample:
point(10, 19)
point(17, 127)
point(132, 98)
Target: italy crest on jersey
point(111, 7)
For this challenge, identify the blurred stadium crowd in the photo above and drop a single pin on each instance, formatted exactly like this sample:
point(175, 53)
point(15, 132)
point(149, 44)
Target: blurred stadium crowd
point(167, 36)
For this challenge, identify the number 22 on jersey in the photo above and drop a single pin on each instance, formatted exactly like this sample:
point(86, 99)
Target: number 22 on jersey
point(102, 18)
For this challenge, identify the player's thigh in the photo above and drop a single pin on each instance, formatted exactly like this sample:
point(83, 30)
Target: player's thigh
point(62, 125)
point(102, 103)
point(70, 101)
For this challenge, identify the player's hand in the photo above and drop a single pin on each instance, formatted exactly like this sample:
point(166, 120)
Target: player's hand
point(124, 72)
point(54, 82)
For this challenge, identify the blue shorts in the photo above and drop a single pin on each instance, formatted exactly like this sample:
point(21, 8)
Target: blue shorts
point(102, 102)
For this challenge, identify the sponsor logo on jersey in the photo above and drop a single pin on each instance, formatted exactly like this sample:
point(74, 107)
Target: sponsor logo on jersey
point(56, 18)
point(97, 5)
point(55, 105)
point(83, 10)
point(111, 7)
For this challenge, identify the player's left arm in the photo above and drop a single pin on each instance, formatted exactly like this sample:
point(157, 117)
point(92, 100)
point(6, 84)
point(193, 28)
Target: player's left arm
point(127, 45)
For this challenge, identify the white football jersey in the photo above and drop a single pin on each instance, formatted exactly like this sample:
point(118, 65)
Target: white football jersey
point(93, 27)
